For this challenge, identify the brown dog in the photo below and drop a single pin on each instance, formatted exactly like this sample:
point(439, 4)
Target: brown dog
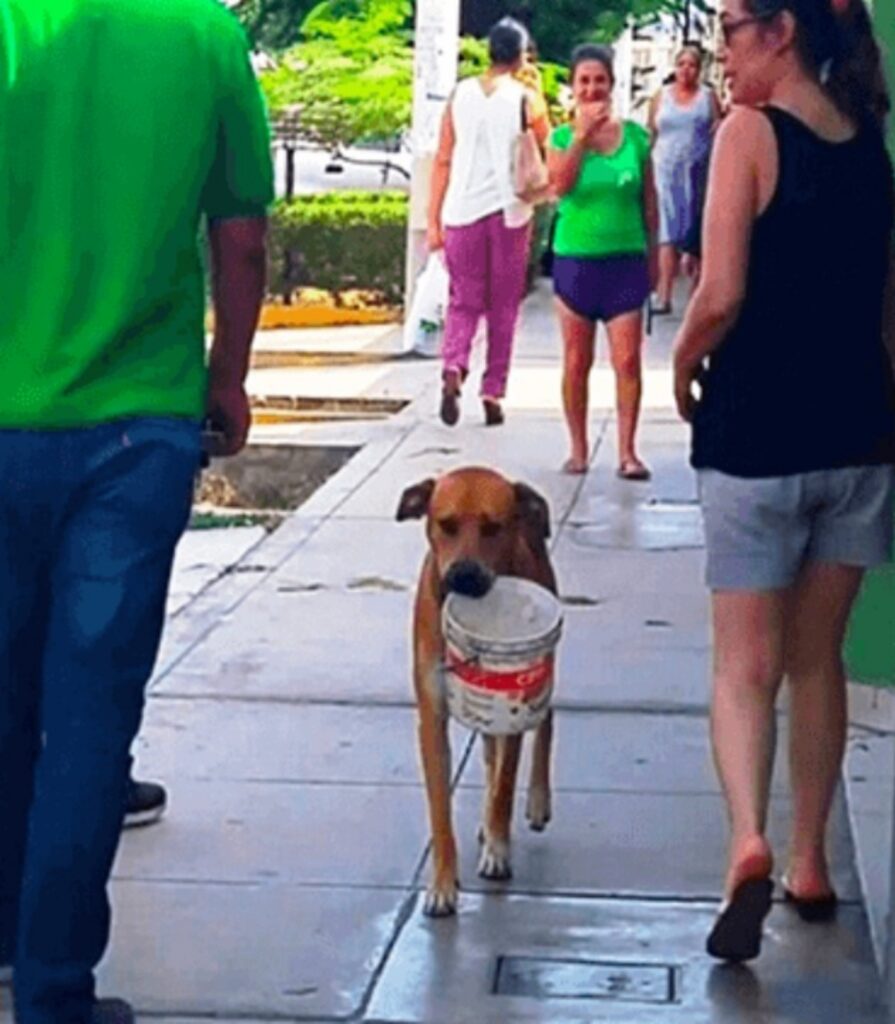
point(479, 526)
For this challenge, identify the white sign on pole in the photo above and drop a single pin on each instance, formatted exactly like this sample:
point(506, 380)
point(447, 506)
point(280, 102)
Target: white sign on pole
point(436, 50)
point(436, 46)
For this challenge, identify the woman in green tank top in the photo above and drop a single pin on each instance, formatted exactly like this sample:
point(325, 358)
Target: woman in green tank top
point(604, 248)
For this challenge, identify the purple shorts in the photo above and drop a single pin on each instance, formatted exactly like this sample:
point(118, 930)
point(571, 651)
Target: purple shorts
point(601, 289)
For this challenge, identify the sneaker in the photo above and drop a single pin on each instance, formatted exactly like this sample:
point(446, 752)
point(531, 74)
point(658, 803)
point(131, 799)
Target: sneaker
point(146, 802)
point(112, 1011)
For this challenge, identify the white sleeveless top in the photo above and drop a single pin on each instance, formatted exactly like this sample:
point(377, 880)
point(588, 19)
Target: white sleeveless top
point(485, 131)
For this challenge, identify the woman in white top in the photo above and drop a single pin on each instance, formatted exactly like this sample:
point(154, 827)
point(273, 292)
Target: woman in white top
point(476, 217)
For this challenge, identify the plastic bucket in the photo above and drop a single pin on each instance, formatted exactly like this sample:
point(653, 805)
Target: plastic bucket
point(499, 656)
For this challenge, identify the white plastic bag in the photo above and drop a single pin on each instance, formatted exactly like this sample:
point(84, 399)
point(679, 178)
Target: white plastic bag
point(424, 324)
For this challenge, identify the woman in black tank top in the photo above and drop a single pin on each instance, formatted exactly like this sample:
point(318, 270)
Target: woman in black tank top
point(789, 337)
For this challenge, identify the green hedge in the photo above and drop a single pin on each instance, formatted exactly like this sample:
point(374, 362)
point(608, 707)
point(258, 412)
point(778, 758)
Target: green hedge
point(339, 240)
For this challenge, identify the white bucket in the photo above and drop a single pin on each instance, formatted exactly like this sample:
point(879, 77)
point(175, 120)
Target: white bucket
point(499, 656)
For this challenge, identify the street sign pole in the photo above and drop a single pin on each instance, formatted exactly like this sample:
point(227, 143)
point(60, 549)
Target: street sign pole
point(436, 49)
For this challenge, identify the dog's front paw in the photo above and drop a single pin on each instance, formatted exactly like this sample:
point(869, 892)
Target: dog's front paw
point(494, 860)
point(538, 809)
point(441, 899)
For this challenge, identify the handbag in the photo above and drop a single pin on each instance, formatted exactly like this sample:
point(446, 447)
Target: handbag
point(531, 182)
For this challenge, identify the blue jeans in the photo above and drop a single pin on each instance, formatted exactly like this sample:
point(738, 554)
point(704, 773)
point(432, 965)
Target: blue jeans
point(89, 520)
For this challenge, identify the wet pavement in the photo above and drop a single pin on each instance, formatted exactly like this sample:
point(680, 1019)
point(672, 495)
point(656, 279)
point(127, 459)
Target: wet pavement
point(284, 883)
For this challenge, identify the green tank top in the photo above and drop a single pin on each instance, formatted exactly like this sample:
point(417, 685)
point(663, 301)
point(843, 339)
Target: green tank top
point(603, 213)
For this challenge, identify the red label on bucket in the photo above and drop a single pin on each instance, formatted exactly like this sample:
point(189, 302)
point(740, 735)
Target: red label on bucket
point(527, 681)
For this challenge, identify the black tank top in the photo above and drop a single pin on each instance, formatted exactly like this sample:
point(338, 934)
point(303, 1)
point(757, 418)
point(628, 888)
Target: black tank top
point(802, 382)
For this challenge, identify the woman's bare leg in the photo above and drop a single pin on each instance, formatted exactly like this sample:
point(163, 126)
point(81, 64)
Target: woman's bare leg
point(748, 629)
point(625, 342)
point(820, 605)
point(578, 336)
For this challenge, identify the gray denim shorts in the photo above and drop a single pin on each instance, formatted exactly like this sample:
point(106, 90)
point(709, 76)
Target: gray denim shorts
point(760, 532)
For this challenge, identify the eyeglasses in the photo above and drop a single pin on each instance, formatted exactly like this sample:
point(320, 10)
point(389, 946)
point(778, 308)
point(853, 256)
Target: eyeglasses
point(730, 28)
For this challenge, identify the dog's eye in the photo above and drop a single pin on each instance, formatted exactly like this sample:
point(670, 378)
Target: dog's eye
point(490, 529)
point(449, 526)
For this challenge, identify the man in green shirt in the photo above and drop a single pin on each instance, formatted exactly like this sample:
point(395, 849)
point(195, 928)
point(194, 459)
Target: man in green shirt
point(122, 125)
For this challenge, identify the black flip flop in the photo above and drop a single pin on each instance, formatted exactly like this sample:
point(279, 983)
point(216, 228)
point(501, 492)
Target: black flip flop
point(817, 910)
point(736, 935)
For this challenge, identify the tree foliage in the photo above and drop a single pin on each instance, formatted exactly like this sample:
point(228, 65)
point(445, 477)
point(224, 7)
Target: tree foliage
point(273, 24)
point(559, 25)
point(352, 76)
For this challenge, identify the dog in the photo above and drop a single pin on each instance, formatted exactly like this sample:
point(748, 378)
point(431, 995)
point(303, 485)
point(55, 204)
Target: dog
point(479, 525)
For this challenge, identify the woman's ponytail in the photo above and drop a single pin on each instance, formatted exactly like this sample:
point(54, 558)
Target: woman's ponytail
point(855, 77)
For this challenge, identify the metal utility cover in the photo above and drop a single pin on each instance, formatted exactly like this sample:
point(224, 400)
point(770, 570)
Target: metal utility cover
point(541, 978)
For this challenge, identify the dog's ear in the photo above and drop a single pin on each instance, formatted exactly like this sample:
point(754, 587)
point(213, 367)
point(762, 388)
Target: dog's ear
point(533, 509)
point(415, 500)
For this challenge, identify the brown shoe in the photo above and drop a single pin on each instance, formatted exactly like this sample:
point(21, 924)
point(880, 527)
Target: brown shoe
point(493, 412)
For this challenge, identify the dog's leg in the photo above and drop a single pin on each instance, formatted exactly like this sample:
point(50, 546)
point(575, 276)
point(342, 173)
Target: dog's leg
point(538, 808)
point(494, 862)
point(441, 899)
point(489, 751)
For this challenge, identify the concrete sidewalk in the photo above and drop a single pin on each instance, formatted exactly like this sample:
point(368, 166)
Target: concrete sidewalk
point(284, 882)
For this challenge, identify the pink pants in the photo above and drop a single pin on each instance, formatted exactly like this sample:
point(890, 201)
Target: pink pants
point(487, 263)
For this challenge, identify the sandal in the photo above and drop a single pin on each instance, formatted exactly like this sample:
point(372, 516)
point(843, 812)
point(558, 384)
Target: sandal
point(574, 467)
point(737, 933)
point(633, 470)
point(811, 909)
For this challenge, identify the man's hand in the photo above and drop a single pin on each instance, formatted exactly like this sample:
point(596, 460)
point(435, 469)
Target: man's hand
point(228, 411)
point(684, 378)
point(238, 259)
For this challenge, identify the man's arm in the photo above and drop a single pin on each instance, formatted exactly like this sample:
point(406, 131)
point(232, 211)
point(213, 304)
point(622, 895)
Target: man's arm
point(238, 191)
point(238, 268)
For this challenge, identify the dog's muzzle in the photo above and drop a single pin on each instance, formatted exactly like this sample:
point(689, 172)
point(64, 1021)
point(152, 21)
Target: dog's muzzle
point(469, 578)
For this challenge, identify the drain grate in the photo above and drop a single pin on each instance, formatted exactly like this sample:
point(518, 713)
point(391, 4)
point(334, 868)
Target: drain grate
point(544, 978)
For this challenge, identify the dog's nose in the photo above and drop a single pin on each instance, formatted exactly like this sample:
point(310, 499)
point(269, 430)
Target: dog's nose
point(468, 578)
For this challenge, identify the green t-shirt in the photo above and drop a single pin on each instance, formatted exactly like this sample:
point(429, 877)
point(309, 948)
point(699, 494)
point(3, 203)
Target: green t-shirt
point(603, 213)
point(122, 122)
